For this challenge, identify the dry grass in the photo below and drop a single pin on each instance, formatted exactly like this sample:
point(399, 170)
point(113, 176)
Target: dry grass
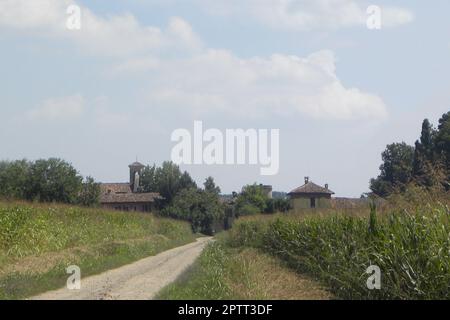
point(267, 278)
point(248, 274)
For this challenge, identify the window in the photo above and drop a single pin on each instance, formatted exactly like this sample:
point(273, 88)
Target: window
point(313, 203)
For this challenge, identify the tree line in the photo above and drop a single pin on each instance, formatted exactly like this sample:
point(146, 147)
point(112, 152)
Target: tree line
point(55, 180)
point(47, 180)
point(182, 198)
point(203, 207)
point(426, 164)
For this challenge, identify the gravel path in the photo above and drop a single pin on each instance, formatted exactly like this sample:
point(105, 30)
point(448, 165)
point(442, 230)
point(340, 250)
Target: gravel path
point(140, 280)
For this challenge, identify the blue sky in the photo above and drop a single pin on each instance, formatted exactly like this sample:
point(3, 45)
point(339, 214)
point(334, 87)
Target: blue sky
point(137, 70)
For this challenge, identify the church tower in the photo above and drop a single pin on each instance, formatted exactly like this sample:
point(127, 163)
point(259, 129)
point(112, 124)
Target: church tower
point(135, 172)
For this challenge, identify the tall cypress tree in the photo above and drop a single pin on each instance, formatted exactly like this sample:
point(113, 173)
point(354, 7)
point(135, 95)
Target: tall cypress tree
point(443, 145)
point(424, 155)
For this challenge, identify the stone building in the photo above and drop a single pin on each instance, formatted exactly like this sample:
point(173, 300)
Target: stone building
point(310, 196)
point(267, 189)
point(127, 196)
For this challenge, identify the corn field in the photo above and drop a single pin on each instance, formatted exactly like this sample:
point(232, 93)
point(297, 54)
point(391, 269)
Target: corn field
point(412, 250)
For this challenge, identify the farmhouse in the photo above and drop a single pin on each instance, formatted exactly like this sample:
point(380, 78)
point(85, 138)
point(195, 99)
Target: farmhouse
point(310, 196)
point(127, 196)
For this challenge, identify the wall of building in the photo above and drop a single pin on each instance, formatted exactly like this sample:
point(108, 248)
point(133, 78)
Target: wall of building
point(304, 202)
point(138, 207)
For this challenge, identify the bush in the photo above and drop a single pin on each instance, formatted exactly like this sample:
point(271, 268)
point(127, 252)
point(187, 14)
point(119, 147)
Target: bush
point(277, 205)
point(202, 208)
point(248, 209)
point(251, 200)
point(90, 193)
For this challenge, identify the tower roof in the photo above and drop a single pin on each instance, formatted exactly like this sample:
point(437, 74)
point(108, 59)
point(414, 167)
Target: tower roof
point(136, 165)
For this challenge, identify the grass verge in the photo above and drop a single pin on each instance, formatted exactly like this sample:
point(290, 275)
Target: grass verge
point(38, 243)
point(225, 273)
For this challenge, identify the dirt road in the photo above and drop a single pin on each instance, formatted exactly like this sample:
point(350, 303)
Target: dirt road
point(140, 280)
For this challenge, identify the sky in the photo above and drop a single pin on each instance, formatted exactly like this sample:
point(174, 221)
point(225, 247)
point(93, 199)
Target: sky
point(136, 71)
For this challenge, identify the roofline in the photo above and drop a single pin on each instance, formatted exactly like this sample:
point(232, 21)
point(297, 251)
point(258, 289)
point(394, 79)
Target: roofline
point(128, 202)
point(329, 192)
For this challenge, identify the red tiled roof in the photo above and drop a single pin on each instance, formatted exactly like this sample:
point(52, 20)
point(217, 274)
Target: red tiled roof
point(129, 197)
point(309, 188)
point(115, 188)
point(121, 193)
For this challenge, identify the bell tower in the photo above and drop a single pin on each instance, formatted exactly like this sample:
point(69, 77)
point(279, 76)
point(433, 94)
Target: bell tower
point(135, 172)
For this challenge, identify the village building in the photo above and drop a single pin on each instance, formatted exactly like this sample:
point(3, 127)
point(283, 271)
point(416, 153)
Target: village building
point(127, 196)
point(310, 196)
point(267, 190)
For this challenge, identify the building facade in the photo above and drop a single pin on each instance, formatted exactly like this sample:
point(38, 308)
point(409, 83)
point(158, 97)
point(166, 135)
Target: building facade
point(310, 196)
point(127, 196)
point(267, 191)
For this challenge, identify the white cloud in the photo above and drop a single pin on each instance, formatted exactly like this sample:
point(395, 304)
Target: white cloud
point(135, 65)
point(201, 79)
point(218, 81)
point(113, 35)
point(58, 109)
point(305, 15)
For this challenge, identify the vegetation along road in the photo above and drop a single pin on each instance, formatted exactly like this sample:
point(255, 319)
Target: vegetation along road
point(140, 280)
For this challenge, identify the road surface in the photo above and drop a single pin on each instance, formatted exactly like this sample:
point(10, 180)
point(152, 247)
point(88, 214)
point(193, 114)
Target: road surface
point(141, 280)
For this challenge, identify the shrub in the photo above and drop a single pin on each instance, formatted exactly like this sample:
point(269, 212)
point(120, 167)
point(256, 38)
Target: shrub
point(201, 208)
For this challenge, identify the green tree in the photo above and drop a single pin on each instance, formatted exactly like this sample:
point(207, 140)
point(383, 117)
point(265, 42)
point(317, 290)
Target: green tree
point(90, 193)
point(148, 179)
point(443, 145)
point(203, 209)
point(425, 165)
point(14, 178)
point(210, 186)
point(396, 170)
point(53, 180)
point(186, 181)
point(168, 180)
point(251, 200)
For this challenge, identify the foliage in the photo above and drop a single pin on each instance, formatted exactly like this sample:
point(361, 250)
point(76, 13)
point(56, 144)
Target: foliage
point(167, 180)
point(182, 199)
point(251, 200)
point(43, 239)
point(53, 180)
point(443, 145)
point(14, 178)
point(426, 164)
point(46, 180)
point(210, 186)
point(202, 208)
point(90, 193)
point(33, 229)
point(396, 170)
point(277, 205)
point(412, 250)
